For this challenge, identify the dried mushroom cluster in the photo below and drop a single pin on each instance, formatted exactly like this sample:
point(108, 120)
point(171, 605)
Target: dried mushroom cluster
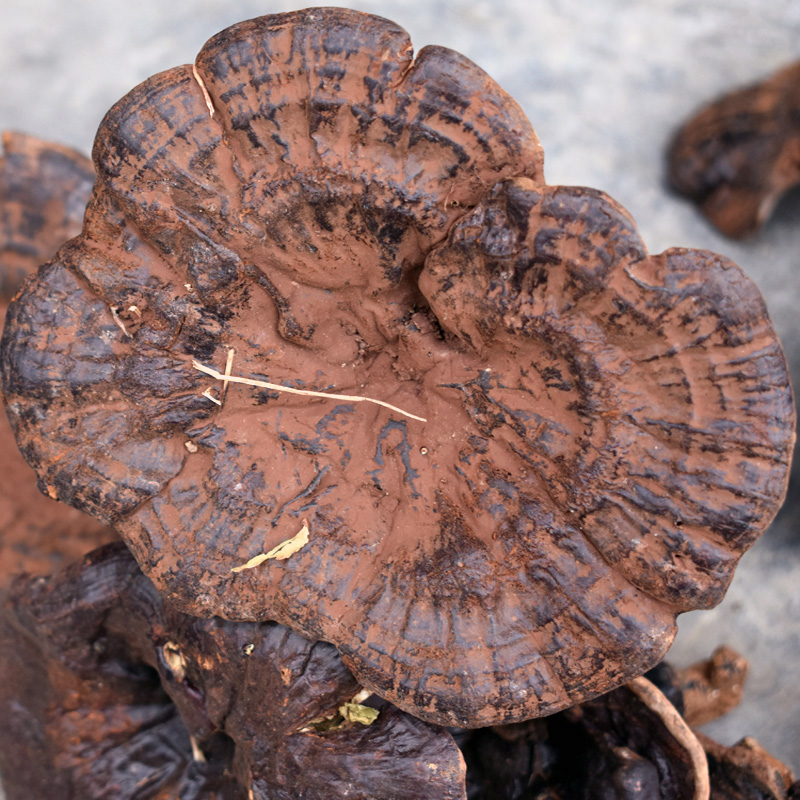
point(330, 354)
point(603, 432)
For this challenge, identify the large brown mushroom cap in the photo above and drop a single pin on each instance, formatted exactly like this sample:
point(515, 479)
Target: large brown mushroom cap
point(87, 655)
point(583, 438)
point(44, 189)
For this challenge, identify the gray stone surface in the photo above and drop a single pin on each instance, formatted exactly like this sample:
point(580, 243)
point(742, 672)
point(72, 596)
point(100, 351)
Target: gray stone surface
point(604, 84)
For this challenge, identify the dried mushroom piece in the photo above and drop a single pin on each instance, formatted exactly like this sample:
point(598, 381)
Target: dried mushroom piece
point(747, 772)
point(82, 720)
point(627, 745)
point(712, 687)
point(44, 189)
point(94, 666)
point(572, 441)
point(705, 691)
point(738, 155)
point(621, 746)
point(288, 705)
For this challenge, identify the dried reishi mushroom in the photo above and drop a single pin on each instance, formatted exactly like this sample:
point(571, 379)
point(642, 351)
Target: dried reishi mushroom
point(630, 744)
point(712, 687)
point(576, 440)
point(87, 656)
point(747, 772)
point(44, 189)
point(738, 155)
point(82, 720)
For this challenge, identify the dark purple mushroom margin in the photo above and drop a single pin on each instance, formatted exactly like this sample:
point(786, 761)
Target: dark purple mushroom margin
point(605, 432)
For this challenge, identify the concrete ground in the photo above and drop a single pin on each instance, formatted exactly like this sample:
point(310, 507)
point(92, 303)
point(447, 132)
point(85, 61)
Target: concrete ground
point(605, 84)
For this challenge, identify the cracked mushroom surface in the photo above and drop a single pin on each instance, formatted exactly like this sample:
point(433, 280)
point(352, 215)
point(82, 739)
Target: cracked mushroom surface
point(576, 440)
point(108, 691)
point(44, 189)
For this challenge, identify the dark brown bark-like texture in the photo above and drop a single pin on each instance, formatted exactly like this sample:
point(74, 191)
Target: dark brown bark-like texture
point(102, 685)
point(737, 156)
point(581, 439)
point(82, 718)
point(44, 189)
point(747, 772)
point(611, 748)
point(618, 747)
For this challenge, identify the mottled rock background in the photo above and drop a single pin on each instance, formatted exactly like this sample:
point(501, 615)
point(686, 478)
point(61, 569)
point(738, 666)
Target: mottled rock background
point(605, 84)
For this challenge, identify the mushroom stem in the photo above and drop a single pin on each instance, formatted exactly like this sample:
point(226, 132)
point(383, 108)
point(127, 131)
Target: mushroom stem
point(351, 398)
point(676, 725)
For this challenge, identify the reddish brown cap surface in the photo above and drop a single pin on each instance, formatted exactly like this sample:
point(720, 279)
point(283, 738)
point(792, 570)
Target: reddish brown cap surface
point(584, 438)
point(44, 189)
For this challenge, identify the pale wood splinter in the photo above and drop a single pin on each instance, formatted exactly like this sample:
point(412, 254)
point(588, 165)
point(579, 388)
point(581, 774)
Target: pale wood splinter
point(227, 378)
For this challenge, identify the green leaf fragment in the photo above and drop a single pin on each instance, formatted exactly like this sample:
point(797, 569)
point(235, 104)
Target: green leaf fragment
point(355, 712)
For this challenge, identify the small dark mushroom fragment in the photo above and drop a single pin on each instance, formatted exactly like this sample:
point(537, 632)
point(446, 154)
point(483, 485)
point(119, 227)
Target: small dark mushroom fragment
point(574, 441)
point(616, 747)
point(738, 155)
point(747, 772)
point(106, 691)
point(44, 189)
point(712, 687)
point(627, 745)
